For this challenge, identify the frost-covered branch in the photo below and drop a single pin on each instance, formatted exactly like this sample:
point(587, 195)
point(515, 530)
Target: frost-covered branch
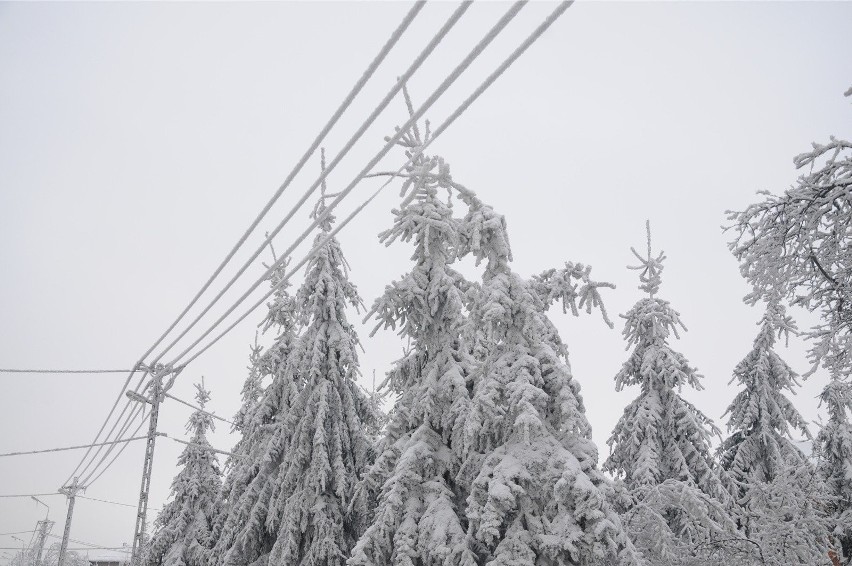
point(799, 246)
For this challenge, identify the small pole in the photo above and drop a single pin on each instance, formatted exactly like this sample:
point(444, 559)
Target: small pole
point(71, 493)
point(139, 532)
point(43, 529)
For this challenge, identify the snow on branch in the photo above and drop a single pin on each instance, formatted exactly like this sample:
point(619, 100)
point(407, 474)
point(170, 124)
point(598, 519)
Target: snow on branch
point(652, 267)
point(573, 287)
point(796, 246)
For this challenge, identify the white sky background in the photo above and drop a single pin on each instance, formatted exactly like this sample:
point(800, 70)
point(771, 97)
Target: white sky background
point(137, 142)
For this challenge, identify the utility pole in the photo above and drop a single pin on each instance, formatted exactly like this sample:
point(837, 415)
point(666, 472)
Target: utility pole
point(157, 375)
point(71, 493)
point(42, 530)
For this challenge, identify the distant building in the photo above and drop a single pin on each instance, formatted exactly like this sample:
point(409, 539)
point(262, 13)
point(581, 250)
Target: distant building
point(108, 558)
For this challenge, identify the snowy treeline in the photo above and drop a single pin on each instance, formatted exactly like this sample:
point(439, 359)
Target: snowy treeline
point(486, 457)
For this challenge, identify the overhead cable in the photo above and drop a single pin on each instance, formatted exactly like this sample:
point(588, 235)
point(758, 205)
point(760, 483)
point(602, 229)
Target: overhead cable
point(80, 447)
point(415, 65)
point(451, 78)
point(84, 371)
point(560, 9)
point(392, 41)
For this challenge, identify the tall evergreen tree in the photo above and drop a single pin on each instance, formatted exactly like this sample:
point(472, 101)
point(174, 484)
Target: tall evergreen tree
point(833, 450)
point(183, 528)
point(536, 495)
point(782, 500)
point(251, 394)
point(661, 446)
point(419, 517)
point(761, 416)
point(259, 423)
point(487, 458)
point(295, 507)
point(328, 448)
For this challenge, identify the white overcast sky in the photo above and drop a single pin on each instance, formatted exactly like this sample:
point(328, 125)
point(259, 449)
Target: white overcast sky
point(138, 140)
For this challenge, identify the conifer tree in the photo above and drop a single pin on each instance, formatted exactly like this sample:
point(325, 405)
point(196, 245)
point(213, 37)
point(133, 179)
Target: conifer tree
point(487, 458)
point(295, 508)
point(537, 495)
point(661, 446)
point(419, 516)
point(782, 500)
point(259, 423)
point(761, 416)
point(327, 448)
point(251, 394)
point(833, 450)
point(183, 528)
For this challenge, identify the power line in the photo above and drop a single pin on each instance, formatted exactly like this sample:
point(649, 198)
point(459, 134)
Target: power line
point(409, 17)
point(190, 405)
point(111, 462)
point(80, 447)
point(31, 495)
point(368, 73)
point(134, 412)
point(532, 38)
point(202, 447)
point(115, 548)
point(418, 61)
point(57, 493)
point(64, 371)
point(109, 415)
point(89, 544)
point(113, 503)
point(17, 533)
point(391, 141)
point(430, 47)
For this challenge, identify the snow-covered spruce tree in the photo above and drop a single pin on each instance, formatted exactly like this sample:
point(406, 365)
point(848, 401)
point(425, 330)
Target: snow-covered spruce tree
point(833, 451)
point(761, 416)
point(536, 494)
point(298, 503)
point(251, 394)
point(281, 319)
point(259, 423)
point(419, 517)
point(782, 499)
point(328, 449)
point(183, 528)
point(661, 446)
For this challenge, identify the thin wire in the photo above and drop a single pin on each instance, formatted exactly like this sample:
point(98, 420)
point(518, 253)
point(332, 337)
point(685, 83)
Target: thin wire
point(202, 447)
point(63, 371)
point(17, 533)
point(114, 503)
point(116, 548)
point(451, 78)
point(31, 495)
point(87, 481)
point(532, 38)
point(190, 405)
point(316, 143)
point(108, 417)
point(80, 447)
point(134, 412)
point(368, 73)
point(427, 51)
point(456, 15)
point(89, 544)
